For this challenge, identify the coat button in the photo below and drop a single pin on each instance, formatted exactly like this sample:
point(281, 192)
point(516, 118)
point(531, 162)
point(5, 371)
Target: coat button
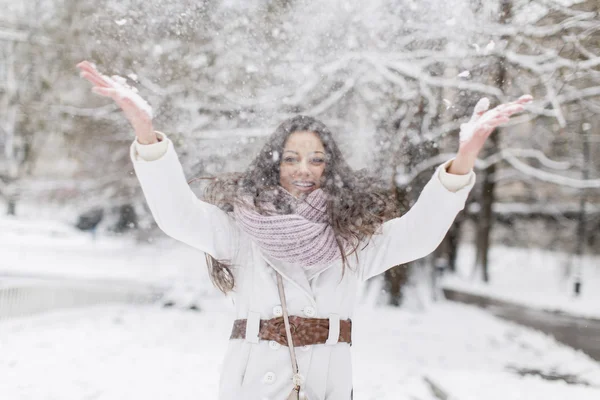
point(309, 311)
point(277, 311)
point(274, 345)
point(269, 378)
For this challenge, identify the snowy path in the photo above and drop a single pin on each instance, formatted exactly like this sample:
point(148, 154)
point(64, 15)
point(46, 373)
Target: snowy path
point(579, 333)
point(534, 278)
point(113, 353)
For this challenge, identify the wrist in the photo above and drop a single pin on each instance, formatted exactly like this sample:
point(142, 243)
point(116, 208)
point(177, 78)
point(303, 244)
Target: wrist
point(147, 137)
point(467, 156)
point(462, 164)
point(146, 140)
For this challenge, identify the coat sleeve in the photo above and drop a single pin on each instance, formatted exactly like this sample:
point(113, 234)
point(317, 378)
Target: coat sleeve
point(418, 232)
point(177, 210)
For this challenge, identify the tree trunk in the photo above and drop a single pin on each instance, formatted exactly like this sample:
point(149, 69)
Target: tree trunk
point(11, 208)
point(487, 197)
point(484, 227)
point(453, 238)
point(581, 222)
point(395, 279)
point(127, 219)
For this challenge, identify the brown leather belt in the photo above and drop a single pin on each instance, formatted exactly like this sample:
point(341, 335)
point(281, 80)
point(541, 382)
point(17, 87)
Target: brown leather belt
point(305, 331)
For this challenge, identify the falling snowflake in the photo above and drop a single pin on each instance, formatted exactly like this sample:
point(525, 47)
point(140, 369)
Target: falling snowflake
point(121, 22)
point(464, 74)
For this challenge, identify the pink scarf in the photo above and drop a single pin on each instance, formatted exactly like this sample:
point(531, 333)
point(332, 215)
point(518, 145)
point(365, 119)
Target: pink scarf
point(303, 237)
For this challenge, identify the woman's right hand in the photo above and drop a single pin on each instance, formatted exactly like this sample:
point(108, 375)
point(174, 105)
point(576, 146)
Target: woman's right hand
point(135, 108)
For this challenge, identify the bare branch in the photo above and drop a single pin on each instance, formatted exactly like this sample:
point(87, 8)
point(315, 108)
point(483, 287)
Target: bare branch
point(510, 155)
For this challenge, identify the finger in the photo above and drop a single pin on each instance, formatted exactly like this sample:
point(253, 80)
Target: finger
point(107, 92)
point(120, 80)
point(480, 108)
point(508, 108)
point(499, 121)
point(511, 109)
point(526, 98)
point(485, 131)
point(488, 116)
point(94, 79)
point(89, 68)
point(98, 78)
point(125, 103)
point(128, 105)
point(85, 65)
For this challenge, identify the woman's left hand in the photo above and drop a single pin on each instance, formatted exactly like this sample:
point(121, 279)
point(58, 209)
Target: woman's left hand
point(474, 133)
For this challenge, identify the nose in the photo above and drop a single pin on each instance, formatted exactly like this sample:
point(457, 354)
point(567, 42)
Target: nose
point(302, 170)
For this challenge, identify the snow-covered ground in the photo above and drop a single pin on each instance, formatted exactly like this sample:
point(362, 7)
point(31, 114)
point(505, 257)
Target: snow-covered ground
point(146, 352)
point(45, 248)
point(112, 352)
point(534, 278)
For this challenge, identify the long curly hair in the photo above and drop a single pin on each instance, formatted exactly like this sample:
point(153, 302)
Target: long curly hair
point(356, 203)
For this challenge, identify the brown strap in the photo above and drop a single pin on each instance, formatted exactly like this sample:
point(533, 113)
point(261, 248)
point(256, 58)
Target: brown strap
point(305, 331)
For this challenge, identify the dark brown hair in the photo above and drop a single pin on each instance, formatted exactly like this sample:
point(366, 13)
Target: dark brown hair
point(357, 204)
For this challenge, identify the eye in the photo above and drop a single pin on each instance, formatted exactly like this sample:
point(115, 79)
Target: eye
point(317, 160)
point(289, 159)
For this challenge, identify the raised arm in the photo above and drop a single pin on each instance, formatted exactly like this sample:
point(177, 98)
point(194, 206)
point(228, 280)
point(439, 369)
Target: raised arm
point(418, 232)
point(422, 228)
point(175, 207)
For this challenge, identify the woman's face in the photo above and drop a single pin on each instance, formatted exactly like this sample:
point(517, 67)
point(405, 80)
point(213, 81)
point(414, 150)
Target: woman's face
point(302, 163)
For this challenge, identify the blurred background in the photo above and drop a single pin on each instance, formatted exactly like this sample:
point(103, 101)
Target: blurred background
point(393, 79)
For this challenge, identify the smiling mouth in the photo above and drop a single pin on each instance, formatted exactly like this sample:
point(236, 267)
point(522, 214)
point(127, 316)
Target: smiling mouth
point(304, 185)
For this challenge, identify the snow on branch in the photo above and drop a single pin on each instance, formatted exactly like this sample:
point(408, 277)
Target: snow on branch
point(163, 91)
point(425, 78)
point(440, 131)
point(555, 103)
point(541, 208)
point(550, 177)
point(23, 37)
point(540, 67)
point(583, 21)
point(561, 5)
point(577, 43)
point(592, 106)
point(510, 155)
point(98, 112)
point(333, 98)
point(405, 93)
point(526, 153)
point(13, 36)
point(578, 94)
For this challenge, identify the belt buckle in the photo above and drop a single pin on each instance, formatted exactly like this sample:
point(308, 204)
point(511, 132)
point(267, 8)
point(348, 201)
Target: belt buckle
point(278, 333)
point(282, 334)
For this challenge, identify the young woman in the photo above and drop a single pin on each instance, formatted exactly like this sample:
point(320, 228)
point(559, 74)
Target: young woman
point(301, 212)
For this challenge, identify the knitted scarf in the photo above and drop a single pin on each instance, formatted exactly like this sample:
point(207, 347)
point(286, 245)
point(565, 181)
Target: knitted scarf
point(302, 236)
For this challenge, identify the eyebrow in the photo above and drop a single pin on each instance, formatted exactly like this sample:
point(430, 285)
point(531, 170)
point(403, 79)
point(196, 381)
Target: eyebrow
point(295, 152)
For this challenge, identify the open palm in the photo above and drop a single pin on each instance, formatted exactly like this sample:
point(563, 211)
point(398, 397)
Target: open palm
point(474, 133)
point(135, 108)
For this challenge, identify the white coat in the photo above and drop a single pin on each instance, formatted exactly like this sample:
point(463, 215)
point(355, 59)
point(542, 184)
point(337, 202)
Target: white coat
point(258, 370)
